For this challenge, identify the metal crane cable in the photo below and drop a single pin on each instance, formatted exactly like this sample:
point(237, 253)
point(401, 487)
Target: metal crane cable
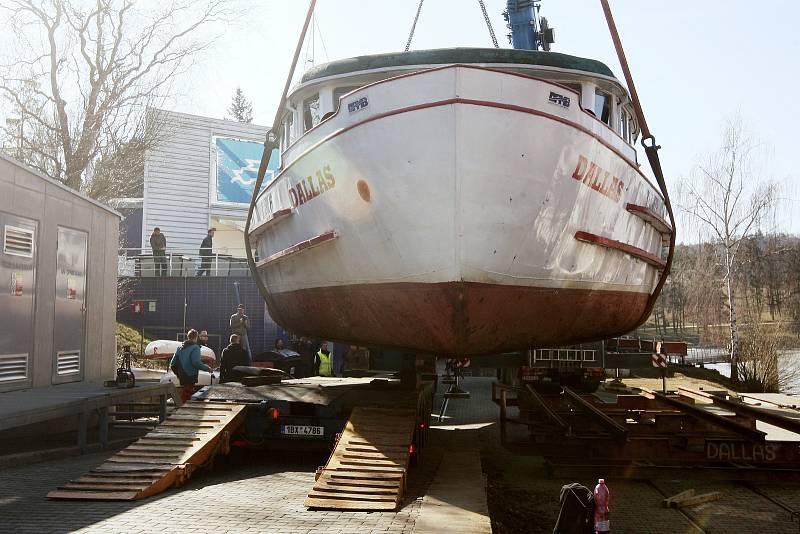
point(488, 24)
point(270, 143)
point(650, 149)
point(413, 26)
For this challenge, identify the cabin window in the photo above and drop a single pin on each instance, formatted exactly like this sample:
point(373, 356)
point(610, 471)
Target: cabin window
point(574, 86)
point(339, 92)
point(624, 125)
point(602, 106)
point(311, 112)
point(288, 130)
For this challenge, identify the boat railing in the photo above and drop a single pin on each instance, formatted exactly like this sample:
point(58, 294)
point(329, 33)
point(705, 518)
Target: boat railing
point(182, 262)
point(565, 355)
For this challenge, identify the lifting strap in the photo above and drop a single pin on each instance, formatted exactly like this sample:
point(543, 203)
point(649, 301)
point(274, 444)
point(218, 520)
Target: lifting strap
point(270, 143)
point(485, 18)
point(488, 23)
point(413, 26)
point(650, 149)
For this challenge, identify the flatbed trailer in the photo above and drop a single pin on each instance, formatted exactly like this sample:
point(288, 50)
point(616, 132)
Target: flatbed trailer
point(309, 413)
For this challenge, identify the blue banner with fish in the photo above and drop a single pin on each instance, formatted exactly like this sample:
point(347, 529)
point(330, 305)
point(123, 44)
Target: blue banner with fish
point(237, 168)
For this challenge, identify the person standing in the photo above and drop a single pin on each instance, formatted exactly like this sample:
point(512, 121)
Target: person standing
point(205, 253)
point(158, 244)
point(202, 339)
point(323, 361)
point(186, 364)
point(233, 355)
point(240, 324)
point(305, 348)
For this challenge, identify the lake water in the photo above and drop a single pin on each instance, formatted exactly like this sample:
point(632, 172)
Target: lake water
point(789, 367)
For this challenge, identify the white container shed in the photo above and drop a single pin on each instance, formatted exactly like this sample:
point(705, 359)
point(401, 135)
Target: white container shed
point(58, 282)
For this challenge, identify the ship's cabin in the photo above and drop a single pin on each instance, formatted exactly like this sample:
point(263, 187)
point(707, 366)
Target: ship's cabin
point(318, 95)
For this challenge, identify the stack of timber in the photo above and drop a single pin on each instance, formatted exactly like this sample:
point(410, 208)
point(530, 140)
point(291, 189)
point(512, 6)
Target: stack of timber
point(367, 469)
point(165, 457)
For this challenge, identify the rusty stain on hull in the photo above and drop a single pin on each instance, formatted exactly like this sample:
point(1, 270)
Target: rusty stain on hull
point(458, 318)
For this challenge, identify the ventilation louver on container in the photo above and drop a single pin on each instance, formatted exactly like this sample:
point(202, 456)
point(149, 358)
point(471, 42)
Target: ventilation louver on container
point(13, 367)
point(18, 241)
point(68, 362)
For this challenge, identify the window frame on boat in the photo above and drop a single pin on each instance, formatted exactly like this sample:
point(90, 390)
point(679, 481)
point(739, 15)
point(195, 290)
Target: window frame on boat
point(311, 120)
point(330, 91)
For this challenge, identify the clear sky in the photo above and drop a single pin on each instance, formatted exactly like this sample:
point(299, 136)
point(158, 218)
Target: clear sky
point(694, 63)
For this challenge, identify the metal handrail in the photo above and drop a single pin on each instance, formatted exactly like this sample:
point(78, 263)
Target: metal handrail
point(181, 262)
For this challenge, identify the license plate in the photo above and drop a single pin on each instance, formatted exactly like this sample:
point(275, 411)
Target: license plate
point(302, 430)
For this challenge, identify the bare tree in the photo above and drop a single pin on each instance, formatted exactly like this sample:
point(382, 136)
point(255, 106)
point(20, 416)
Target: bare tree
point(727, 199)
point(83, 75)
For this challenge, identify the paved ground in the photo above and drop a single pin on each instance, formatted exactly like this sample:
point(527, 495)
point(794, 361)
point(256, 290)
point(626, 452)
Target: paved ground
point(265, 494)
point(262, 496)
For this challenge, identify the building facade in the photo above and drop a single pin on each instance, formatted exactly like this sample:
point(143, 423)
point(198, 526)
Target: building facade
point(58, 259)
point(201, 176)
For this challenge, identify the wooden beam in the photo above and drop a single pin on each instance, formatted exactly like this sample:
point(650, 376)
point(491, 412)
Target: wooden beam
point(740, 408)
point(717, 420)
point(615, 428)
point(545, 408)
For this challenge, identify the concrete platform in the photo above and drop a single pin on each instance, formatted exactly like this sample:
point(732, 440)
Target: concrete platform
point(31, 406)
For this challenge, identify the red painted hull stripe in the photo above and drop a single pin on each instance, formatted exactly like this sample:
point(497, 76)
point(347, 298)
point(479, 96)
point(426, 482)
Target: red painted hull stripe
point(483, 103)
point(636, 252)
point(464, 66)
point(269, 221)
point(650, 216)
point(299, 247)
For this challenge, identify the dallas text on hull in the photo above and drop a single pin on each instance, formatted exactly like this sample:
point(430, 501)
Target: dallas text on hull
point(459, 201)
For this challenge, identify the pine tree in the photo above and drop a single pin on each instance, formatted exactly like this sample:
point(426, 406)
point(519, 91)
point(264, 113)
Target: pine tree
point(241, 109)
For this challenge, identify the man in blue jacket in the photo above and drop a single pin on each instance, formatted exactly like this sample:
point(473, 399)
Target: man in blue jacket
point(186, 364)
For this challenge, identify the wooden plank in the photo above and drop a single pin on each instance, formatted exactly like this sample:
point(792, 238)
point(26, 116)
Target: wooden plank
point(349, 505)
point(372, 476)
point(666, 503)
point(139, 455)
point(350, 496)
point(192, 417)
point(91, 486)
point(133, 466)
point(376, 441)
point(362, 490)
point(121, 468)
point(94, 496)
point(151, 464)
point(697, 499)
point(156, 447)
point(375, 483)
point(207, 407)
point(170, 424)
point(398, 457)
point(149, 451)
point(166, 439)
point(116, 480)
point(371, 448)
point(172, 431)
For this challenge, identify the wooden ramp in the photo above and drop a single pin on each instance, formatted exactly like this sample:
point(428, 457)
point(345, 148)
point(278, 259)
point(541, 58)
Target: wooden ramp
point(367, 469)
point(166, 457)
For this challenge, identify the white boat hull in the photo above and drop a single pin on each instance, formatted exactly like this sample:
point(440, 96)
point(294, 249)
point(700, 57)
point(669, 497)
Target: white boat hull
point(443, 218)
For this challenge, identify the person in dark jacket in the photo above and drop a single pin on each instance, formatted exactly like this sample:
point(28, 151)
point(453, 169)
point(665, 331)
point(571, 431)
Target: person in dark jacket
point(186, 364)
point(158, 244)
point(205, 253)
point(305, 348)
point(232, 356)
